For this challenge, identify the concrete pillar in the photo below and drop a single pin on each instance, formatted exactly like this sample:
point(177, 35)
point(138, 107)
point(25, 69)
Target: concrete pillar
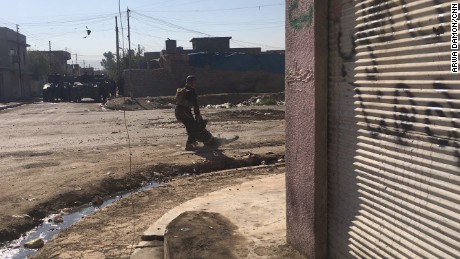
point(306, 126)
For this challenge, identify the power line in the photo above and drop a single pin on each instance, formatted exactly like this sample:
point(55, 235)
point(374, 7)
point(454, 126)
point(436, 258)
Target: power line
point(153, 25)
point(156, 4)
point(72, 14)
point(217, 10)
point(208, 23)
point(256, 44)
point(6, 22)
point(194, 31)
point(252, 29)
point(171, 24)
point(65, 22)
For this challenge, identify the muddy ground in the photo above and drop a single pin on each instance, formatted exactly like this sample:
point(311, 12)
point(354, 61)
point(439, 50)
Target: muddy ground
point(112, 231)
point(58, 155)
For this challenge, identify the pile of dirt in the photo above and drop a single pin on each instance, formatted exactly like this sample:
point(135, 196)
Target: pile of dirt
point(210, 101)
point(144, 103)
point(195, 234)
point(265, 99)
point(246, 115)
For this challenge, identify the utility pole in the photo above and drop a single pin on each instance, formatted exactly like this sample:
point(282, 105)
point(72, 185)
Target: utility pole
point(19, 61)
point(129, 40)
point(118, 49)
point(122, 31)
point(49, 56)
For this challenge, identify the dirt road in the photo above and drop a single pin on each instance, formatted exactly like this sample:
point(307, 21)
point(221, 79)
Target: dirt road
point(54, 156)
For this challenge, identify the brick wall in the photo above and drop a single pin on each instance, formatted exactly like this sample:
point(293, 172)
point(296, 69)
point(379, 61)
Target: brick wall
point(159, 82)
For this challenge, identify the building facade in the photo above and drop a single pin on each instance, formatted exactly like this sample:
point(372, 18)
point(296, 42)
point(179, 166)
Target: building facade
point(14, 79)
point(372, 138)
point(211, 44)
point(57, 61)
point(222, 69)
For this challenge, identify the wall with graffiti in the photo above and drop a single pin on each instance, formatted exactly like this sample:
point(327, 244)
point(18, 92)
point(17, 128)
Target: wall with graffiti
point(394, 118)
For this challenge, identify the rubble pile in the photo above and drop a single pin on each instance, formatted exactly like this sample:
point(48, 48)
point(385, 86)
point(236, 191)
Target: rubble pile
point(261, 100)
point(219, 106)
point(141, 103)
point(216, 101)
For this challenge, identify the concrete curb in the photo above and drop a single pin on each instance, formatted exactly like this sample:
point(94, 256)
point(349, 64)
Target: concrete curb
point(149, 249)
point(254, 191)
point(157, 230)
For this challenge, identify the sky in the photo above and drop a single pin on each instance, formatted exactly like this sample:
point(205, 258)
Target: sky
point(250, 23)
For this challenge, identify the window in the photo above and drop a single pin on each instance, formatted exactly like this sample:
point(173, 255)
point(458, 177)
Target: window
point(12, 56)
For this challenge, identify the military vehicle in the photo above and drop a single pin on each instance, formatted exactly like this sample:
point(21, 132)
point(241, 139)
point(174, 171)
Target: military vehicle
point(87, 86)
point(70, 88)
point(57, 89)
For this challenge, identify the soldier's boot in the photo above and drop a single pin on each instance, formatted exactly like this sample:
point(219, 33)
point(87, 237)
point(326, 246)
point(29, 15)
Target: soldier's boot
point(190, 146)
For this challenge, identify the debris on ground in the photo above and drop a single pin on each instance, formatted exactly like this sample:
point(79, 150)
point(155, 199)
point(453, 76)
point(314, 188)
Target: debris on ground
point(219, 106)
point(263, 100)
point(65, 211)
point(97, 201)
point(210, 101)
point(58, 219)
point(35, 244)
point(246, 115)
point(141, 103)
point(259, 100)
point(196, 233)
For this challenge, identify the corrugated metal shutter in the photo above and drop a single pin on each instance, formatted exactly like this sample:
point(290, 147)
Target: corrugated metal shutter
point(394, 117)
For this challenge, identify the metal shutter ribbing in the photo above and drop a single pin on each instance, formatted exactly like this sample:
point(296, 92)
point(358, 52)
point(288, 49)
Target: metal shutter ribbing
point(393, 131)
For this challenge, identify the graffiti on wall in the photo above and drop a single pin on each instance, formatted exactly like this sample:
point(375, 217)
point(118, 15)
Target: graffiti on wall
point(394, 140)
point(411, 113)
point(299, 18)
point(299, 75)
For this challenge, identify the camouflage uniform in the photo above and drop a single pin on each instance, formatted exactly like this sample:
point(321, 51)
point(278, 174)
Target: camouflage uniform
point(186, 100)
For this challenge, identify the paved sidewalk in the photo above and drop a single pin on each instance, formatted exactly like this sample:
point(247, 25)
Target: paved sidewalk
point(257, 208)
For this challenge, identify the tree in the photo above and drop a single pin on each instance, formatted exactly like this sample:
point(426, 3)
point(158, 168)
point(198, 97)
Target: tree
point(38, 64)
point(109, 64)
point(138, 58)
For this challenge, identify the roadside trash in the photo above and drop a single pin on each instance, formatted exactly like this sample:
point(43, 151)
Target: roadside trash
point(65, 211)
point(58, 219)
point(97, 201)
point(35, 244)
point(219, 106)
point(129, 101)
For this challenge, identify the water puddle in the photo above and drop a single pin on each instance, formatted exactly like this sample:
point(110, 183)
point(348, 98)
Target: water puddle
point(48, 229)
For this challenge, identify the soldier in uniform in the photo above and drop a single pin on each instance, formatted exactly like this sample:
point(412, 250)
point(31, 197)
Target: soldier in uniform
point(186, 100)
